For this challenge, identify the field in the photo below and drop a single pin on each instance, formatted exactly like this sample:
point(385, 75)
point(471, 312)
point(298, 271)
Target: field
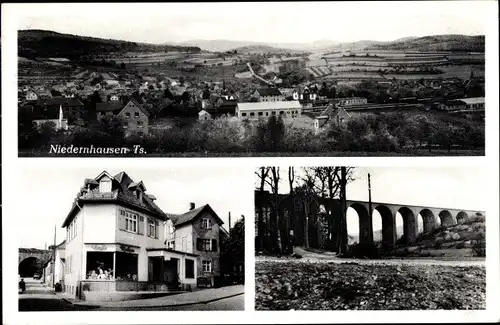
point(297, 285)
point(383, 64)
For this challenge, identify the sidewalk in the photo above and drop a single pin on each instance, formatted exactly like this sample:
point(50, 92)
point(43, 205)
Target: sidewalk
point(190, 298)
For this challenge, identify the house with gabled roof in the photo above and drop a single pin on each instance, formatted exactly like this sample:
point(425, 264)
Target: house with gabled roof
point(336, 114)
point(268, 95)
point(134, 116)
point(197, 231)
point(116, 241)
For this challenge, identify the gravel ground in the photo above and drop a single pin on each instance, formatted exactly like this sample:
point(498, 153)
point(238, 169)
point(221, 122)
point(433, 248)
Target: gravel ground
point(327, 285)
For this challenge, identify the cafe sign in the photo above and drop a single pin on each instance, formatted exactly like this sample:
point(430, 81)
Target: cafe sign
point(99, 247)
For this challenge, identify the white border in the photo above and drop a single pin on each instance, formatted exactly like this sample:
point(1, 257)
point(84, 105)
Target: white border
point(11, 163)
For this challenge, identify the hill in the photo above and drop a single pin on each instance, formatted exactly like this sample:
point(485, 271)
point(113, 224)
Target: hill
point(454, 43)
point(35, 43)
point(260, 49)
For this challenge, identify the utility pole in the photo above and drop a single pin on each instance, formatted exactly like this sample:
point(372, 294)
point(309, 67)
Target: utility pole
point(342, 237)
point(370, 210)
point(229, 221)
point(54, 259)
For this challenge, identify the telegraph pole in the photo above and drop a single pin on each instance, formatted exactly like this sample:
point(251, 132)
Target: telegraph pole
point(370, 207)
point(54, 259)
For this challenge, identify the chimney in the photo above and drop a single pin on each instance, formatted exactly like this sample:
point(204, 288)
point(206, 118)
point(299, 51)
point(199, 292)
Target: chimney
point(229, 220)
point(192, 206)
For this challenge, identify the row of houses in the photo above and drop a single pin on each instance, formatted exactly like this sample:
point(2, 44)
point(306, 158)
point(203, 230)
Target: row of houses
point(118, 239)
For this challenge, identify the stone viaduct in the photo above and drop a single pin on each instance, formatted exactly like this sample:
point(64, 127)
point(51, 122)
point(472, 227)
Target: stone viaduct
point(39, 254)
point(432, 217)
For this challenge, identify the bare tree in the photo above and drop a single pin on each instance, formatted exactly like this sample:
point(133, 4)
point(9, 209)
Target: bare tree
point(273, 181)
point(326, 183)
point(262, 176)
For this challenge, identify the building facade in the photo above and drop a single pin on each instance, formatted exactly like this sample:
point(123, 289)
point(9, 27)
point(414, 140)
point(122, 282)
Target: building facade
point(135, 119)
point(197, 231)
point(285, 109)
point(268, 95)
point(116, 241)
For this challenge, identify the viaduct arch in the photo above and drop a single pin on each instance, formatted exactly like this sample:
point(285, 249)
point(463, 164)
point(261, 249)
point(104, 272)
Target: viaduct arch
point(431, 216)
point(31, 260)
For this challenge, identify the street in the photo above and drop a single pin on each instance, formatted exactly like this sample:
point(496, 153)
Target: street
point(39, 297)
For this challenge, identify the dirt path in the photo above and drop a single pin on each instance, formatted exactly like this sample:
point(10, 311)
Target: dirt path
point(328, 257)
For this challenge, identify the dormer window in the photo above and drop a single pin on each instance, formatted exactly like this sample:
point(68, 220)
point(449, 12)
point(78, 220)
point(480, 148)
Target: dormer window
point(105, 185)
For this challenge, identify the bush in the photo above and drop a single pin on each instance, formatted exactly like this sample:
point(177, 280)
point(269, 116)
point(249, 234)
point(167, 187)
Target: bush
point(479, 248)
point(438, 244)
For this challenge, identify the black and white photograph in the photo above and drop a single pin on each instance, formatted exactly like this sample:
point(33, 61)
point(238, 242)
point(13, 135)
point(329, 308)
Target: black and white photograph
point(370, 238)
point(358, 139)
point(296, 79)
point(131, 240)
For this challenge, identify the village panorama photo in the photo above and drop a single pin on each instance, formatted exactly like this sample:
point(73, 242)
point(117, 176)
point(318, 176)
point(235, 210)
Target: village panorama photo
point(190, 80)
point(370, 238)
point(135, 239)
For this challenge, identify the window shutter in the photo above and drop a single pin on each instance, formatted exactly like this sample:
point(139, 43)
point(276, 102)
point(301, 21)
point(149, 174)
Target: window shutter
point(202, 224)
point(140, 225)
point(214, 245)
point(198, 244)
point(121, 221)
point(157, 229)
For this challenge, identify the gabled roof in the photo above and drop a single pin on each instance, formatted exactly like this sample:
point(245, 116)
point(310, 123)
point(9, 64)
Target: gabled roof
point(269, 91)
point(141, 107)
point(332, 111)
point(192, 215)
point(122, 193)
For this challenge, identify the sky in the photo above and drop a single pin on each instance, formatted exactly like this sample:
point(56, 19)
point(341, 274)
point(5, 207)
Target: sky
point(446, 187)
point(301, 22)
point(48, 194)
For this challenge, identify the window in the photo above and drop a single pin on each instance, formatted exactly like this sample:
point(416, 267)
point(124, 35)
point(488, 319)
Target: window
point(274, 113)
point(125, 125)
point(189, 269)
point(136, 114)
point(206, 266)
point(140, 124)
point(261, 113)
point(130, 222)
point(152, 228)
point(206, 223)
point(281, 112)
point(243, 114)
point(267, 113)
point(252, 114)
point(205, 244)
point(127, 114)
point(171, 244)
point(105, 185)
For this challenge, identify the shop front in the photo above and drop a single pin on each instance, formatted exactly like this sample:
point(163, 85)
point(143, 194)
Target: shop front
point(113, 268)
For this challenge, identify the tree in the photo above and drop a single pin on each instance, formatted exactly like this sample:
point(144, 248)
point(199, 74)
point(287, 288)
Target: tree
point(122, 65)
point(233, 247)
point(273, 181)
point(342, 224)
point(262, 176)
